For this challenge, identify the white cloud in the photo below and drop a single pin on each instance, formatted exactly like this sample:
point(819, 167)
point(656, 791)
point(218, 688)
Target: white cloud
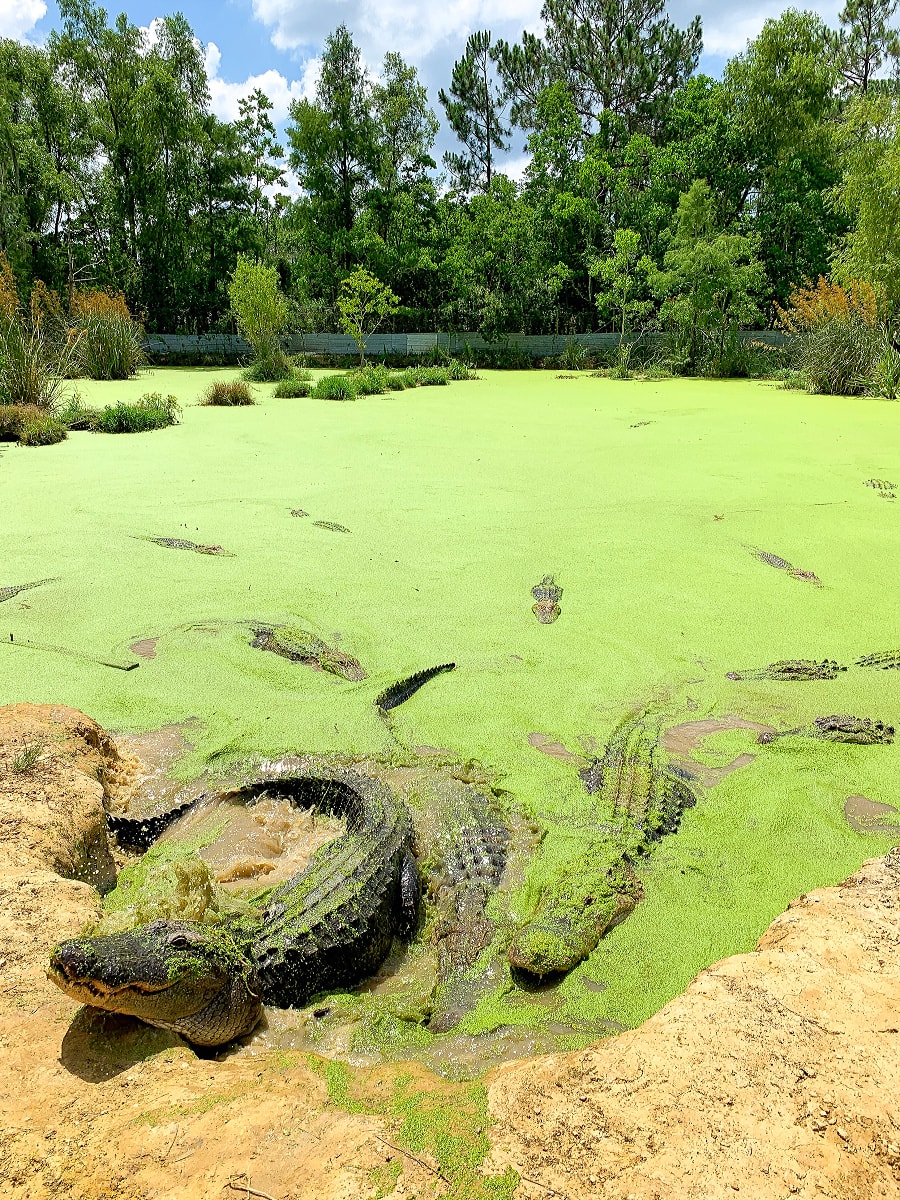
point(414, 28)
point(19, 17)
point(224, 96)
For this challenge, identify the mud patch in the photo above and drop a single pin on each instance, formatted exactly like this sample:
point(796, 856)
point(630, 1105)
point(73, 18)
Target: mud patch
point(144, 647)
point(682, 740)
point(871, 816)
point(546, 745)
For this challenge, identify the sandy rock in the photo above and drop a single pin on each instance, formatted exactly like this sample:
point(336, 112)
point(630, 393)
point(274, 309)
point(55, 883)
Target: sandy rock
point(51, 808)
point(769, 1077)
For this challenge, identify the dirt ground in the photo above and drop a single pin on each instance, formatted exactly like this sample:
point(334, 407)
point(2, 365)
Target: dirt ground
point(773, 1075)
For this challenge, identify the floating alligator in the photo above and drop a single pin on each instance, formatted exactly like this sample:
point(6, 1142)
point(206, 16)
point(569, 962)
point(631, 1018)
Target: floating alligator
point(781, 564)
point(299, 645)
point(184, 544)
point(839, 727)
point(327, 927)
point(546, 596)
point(7, 593)
point(885, 660)
point(792, 669)
point(639, 799)
point(332, 525)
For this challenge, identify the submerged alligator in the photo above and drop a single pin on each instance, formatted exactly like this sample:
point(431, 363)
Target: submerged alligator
point(638, 800)
point(839, 727)
point(792, 669)
point(299, 645)
point(326, 927)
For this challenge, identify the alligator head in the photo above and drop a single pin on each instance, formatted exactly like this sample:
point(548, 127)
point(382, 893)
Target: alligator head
point(193, 979)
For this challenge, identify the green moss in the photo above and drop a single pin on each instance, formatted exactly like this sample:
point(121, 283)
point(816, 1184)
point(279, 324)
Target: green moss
point(428, 1116)
point(383, 1177)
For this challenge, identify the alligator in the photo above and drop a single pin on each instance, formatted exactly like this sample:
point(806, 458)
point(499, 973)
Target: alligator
point(398, 693)
point(546, 595)
point(466, 862)
point(299, 645)
point(639, 800)
point(7, 593)
point(839, 727)
point(184, 544)
point(792, 669)
point(781, 564)
point(327, 927)
point(332, 525)
point(884, 660)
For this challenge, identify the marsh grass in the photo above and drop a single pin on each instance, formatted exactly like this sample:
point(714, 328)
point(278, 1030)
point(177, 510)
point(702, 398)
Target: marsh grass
point(109, 342)
point(291, 389)
point(30, 425)
point(230, 394)
point(335, 387)
point(28, 759)
point(152, 411)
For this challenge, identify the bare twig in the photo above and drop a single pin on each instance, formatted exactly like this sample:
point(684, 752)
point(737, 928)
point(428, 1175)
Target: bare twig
point(549, 1190)
point(413, 1158)
point(246, 1189)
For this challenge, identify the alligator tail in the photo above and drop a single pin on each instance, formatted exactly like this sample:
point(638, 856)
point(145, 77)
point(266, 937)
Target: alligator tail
point(401, 691)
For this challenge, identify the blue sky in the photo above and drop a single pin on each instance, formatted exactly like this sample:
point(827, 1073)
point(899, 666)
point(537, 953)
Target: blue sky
point(274, 43)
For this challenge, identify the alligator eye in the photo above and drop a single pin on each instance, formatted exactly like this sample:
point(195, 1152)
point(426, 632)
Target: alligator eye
point(180, 941)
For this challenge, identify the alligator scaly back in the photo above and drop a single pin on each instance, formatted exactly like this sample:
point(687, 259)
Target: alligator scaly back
point(839, 727)
point(401, 691)
point(638, 801)
point(468, 858)
point(7, 593)
point(299, 645)
point(332, 924)
point(792, 669)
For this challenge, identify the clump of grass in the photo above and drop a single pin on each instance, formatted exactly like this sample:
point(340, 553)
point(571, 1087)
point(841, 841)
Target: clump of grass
point(30, 425)
point(458, 370)
point(371, 380)
point(291, 389)
point(30, 757)
point(270, 368)
point(335, 387)
point(397, 381)
point(152, 411)
point(228, 394)
point(36, 350)
point(432, 376)
point(109, 341)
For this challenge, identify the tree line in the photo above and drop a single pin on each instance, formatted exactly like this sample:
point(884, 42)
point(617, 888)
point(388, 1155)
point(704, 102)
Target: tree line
point(650, 188)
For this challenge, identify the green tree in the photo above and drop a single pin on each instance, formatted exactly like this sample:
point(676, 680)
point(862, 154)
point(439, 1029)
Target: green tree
point(476, 108)
point(866, 41)
point(363, 304)
point(405, 126)
point(710, 282)
point(261, 313)
point(333, 138)
point(869, 196)
point(262, 150)
point(623, 275)
point(614, 56)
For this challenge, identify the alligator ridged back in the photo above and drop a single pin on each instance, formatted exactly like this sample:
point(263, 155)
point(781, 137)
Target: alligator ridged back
point(332, 924)
point(401, 691)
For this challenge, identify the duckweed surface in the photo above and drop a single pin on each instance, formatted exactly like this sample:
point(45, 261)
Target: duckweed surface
point(641, 498)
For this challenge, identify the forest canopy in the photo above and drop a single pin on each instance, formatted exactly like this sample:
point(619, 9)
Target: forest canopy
point(115, 173)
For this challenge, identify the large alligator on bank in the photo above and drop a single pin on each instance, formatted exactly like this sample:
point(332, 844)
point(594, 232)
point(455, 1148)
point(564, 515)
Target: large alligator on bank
point(326, 927)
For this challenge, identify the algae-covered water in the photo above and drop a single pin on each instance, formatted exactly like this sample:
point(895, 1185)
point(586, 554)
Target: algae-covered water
point(645, 500)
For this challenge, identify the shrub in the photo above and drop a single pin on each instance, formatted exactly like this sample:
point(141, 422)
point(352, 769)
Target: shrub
point(152, 411)
point(35, 353)
point(397, 381)
point(228, 394)
point(575, 357)
point(886, 372)
point(431, 376)
point(261, 313)
point(109, 339)
point(363, 303)
point(38, 427)
point(293, 388)
point(371, 380)
point(836, 357)
point(810, 307)
point(335, 387)
point(458, 370)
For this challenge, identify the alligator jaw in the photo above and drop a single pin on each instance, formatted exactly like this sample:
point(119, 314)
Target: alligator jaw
point(91, 991)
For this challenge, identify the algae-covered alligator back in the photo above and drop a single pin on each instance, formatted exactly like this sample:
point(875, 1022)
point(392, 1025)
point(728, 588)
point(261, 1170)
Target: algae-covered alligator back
point(299, 645)
point(839, 727)
point(638, 800)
